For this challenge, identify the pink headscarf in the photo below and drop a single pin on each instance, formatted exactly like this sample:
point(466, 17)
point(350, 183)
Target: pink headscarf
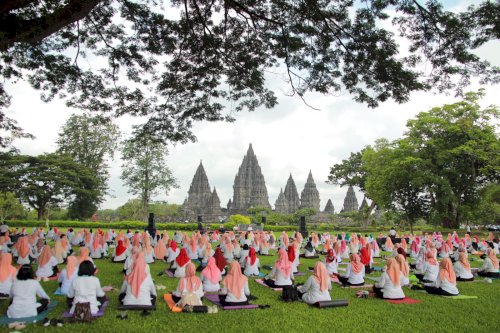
point(321, 275)
point(429, 257)
point(44, 256)
point(356, 264)
point(190, 281)
point(493, 258)
point(235, 280)
point(138, 274)
point(447, 272)
point(403, 265)
point(393, 271)
point(212, 272)
point(160, 249)
point(283, 264)
point(70, 266)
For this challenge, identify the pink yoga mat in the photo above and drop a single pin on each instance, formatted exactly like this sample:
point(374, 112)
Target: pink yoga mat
point(214, 298)
point(406, 300)
point(261, 282)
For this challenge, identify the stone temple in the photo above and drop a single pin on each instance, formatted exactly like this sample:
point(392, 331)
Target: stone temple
point(250, 191)
point(350, 201)
point(249, 186)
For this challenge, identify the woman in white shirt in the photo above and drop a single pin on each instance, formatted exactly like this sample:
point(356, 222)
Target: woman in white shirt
point(138, 287)
point(430, 269)
point(331, 262)
point(355, 272)
point(490, 265)
point(60, 253)
point(389, 285)
point(172, 252)
point(190, 283)
point(462, 268)
point(121, 252)
point(252, 264)
point(47, 264)
point(317, 286)
point(234, 287)
point(309, 251)
point(68, 274)
point(404, 268)
point(7, 274)
point(86, 288)
point(211, 276)
point(23, 292)
point(446, 283)
point(180, 263)
point(281, 274)
point(24, 251)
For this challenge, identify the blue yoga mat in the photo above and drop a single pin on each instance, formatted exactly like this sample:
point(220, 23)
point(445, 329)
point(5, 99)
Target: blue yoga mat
point(41, 316)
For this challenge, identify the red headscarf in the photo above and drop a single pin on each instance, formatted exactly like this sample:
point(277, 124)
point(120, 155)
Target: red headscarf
point(365, 256)
point(71, 266)
point(447, 272)
point(120, 248)
point(251, 256)
point(6, 269)
point(96, 242)
point(283, 264)
point(212, 272)
point(219, 259)
point(173, 245)
point(321, 275)
point(235, 280)
point(330, 257)
point(356, 264)
point(138, 274)
point(182, 258)
point(291, 253)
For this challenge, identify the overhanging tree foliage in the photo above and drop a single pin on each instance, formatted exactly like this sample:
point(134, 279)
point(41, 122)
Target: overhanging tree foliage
point(184, 63)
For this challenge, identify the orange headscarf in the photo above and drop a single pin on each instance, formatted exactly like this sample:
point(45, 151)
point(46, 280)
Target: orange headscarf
point(429, 257)
point(147, 245)
point(190, 281)
point(403, 265)
point(6, 269)
point(321, 275)
point(356, 264)
point(84, 254)
point(388, 243)
point(212, 272)
point(44, 256)
point(59, 249)
point(393, 271)
point(447, 272)
point(160, 249)
point(138, 274)
point(404, 245)
point(22, 246)
point(71, 266)
point(235, 280)
point(493, 258)
point(462, 258)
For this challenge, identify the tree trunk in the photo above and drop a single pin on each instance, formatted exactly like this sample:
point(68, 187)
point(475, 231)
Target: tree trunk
point(369, 213)
point(41, 213)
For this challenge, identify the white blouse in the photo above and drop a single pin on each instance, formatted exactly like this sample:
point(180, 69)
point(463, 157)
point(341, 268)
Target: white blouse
point(23, 293)
point(312, 291)
point(208, 286)
point(65, 281)
point(245, 291)
point(172, 255)
point(355, 278)
point(252, 269)
point(46, 270)
point(331, 267)
point(390, 290)
point(146, 290)
point(280, 279)
point(444, 285)
point(7, 284)
point(488, 266)
point(86, 289)
point(430, 271)
point(199, 292)
point(461, 272)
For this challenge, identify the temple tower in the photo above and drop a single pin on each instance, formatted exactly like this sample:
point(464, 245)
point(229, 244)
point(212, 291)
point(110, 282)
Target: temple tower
point(291, 196)
point(309, 197)
point(281, 205)
point(350, 201)
point(329, 209)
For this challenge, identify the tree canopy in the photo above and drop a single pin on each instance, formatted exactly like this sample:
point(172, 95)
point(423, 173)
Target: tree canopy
point(177, 62)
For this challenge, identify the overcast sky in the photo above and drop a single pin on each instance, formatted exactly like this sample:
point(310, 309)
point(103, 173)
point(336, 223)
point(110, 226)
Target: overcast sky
point(291, 138)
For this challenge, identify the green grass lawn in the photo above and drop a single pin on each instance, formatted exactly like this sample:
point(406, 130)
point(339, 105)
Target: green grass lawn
point(434, 314)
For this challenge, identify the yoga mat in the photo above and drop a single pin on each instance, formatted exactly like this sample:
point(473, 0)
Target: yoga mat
point(377, 269)
point(299, 273)
point(261, 275)
point(261, 282)
point(334, 279)
point(214, 298)
point(461, 297)
point(136, 307)
point(363, 286)
point(41, 316)
point(169, 273)
point(406, 300)
point(99, 313)
point(171, 304)
point(413, 278)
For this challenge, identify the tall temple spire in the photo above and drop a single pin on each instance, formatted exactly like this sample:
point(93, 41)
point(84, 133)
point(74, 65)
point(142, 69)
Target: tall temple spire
point(281, 205)
point(249, 185)
point(350, 201)
point(291, 195)
point(309, 197)
point(201, 200)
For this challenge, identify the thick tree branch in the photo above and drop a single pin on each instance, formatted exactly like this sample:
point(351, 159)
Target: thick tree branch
point(9, 5)
point(15, 30)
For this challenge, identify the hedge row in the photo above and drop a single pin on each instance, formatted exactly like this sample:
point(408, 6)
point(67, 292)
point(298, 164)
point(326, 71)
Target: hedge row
point(193, 226)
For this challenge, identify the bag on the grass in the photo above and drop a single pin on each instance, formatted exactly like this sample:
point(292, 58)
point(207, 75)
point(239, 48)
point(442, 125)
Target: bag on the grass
point(82, 312)
point(290, 294)
point(189, 299)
